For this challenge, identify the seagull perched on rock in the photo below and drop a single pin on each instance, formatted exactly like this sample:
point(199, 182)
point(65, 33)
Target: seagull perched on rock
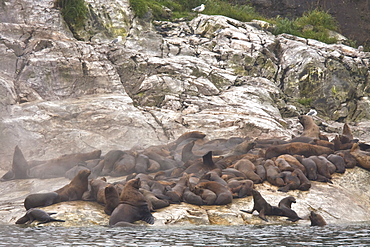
point(117, 40)
point(312, 112)
point(199, 8)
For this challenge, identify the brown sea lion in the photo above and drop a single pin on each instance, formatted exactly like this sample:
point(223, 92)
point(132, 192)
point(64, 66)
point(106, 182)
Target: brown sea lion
point(286, 206)
point(41, 200)
point(176, 192)
point(349, 159)
point(111, 198)
point(59, 166)
point(322, 167)
point(98, 189)
point(262, 207)
point(316, 219)
point(33, 214)
point(293, 162)
point(205, 166)
point(248, 168)
point(310, 128)
point(208, 196)
point(362, 157)
point(283, 165)
point(75, 189)
point(311, 168)
point(213, 175)
point(300, 148)
point(224, 196)
point(133, 205)
point(142, 163)
point(240, 188)
point(346, 136)
point(20, 167)
point(155, 202)
point(261, 171)
point(124, 165)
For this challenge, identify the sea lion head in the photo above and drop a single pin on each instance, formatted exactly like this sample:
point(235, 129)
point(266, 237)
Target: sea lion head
point(135, 183)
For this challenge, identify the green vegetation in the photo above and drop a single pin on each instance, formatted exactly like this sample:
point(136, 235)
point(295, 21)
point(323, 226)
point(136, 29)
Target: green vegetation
point(305, 101)
point(312, 25)
point(74, 13)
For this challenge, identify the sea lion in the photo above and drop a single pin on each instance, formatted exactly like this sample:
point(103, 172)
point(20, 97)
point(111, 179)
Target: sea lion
point(75, 189)
point(291, 181)
point(71, 173)
point(176, 192)
point(155, 202)
point(316, 219)
point(98, 189)
point(311, 168)
point(133, 205)
point(273, 173)
point(141, 163)
point(213, 175)
point(240, 188)
point(262, 207)
point(187, 153)
point(205, 166)
point(362, 157)
point(300, 148)
point(33, 214)
point(110, 159)
point(41, 200)
point(189, 197)
point(248, 168)
point(286, 206)
point(224, 195)
point(208, 196)
point(305, 183)
point(20, 167)
point(111, 198)
point(293, 162)
point(322, 167)
point(338, 161)
point(347, 136)
point(59, 166)
point(283, 165)
point(124, 165)
point(310, 128)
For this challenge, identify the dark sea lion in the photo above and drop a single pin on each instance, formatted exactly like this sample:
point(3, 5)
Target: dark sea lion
point(349, 159)
point(311, 168)
point(208, 196)
point(133, 205)
point(347, 135)
point(293, 162)
point(110, 159)
point(261, 171)
point(189, 197)
point(20, 168)
point(75, 189)
point(332, 168)
point(263, 207)
point(338, 161)
point(111, 198)
point(187, 135)
point(142, 163)
point(286, 206)
point(187, 152)
point(300, 148)
point(214, 175)
point(33, 214)
point(310, 128)
point(224, 195)
point(283, 165)
point(59, 166)
point(205, 166)
point(305, 183)
point(41, 200)
point(316, 219)
point(71, 173)
point(273, 174)
point(291, 181)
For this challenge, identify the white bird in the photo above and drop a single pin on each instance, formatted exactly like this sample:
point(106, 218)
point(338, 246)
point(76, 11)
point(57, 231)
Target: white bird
point(199, 8)
point(117, 40)
point(312, 112)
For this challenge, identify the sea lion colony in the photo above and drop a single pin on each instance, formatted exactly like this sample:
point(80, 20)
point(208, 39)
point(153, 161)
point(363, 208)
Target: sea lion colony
point(196, 171)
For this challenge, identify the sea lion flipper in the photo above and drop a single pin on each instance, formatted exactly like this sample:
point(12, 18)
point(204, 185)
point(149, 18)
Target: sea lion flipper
point(148, 219)
point(246, 211)
point(262, 215)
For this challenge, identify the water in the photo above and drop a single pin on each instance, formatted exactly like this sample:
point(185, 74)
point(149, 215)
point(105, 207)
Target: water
point(269, 235)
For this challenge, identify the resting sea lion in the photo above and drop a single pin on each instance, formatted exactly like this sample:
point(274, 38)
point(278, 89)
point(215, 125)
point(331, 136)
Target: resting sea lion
point(109, 160)
point(224, 196)
point(189, 197)
point(263, 207)
point(273, 173)
point(176, 192)
point(111, 198)
point(338, 161)
point(97, 187)
point(124, 165)
point(301, 148)
point(240, 188)
point(75, 189)
point(362, 157)
point(291, 181)
point(316, 219)
point(41, 200)
point(248, 168)
point(33, 214)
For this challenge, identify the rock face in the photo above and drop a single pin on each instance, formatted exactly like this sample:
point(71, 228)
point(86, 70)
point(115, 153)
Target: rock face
point(212, 74)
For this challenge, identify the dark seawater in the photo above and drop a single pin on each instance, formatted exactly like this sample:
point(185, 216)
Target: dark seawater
point(268, 235)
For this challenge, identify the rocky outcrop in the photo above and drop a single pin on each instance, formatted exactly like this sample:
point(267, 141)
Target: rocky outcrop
point(213, 74)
